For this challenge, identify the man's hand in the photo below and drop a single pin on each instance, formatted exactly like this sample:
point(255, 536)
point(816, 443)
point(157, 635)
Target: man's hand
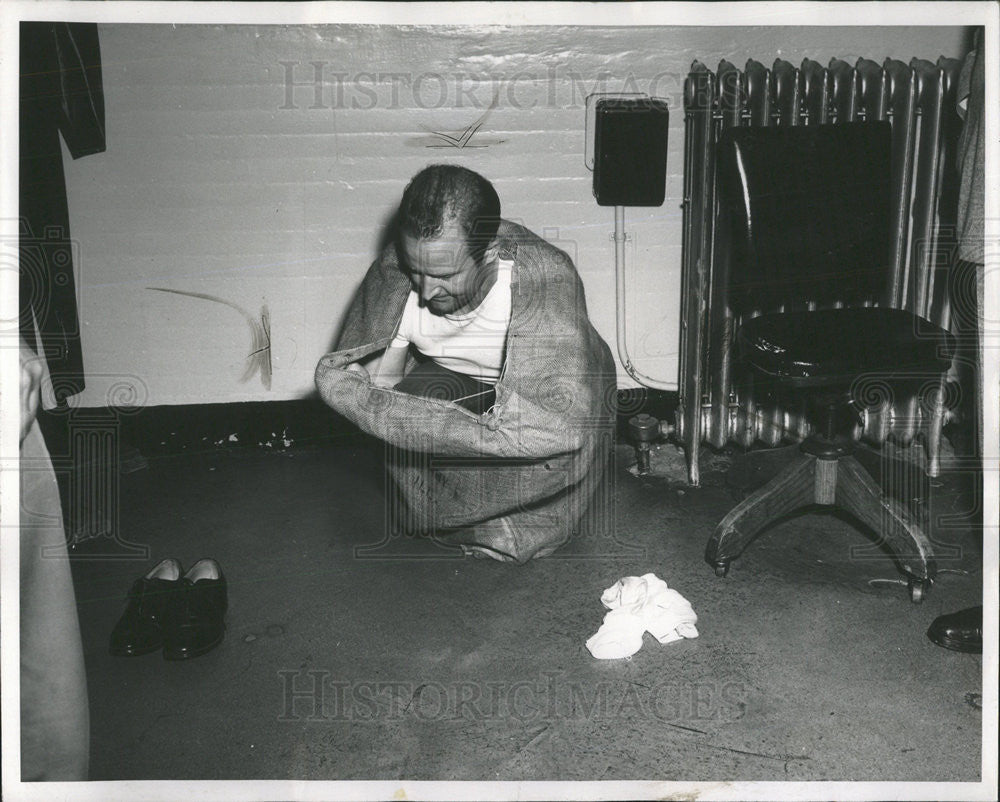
point(31, 382)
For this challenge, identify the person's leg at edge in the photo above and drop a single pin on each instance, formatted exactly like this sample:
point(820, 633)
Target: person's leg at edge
point(55, 719)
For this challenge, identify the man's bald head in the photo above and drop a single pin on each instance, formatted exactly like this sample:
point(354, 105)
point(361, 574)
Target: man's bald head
point(442, 194)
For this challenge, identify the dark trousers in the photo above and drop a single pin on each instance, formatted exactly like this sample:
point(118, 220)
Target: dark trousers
point(429, 380)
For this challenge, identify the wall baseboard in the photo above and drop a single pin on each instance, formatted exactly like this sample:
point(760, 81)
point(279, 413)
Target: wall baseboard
point(163, 430)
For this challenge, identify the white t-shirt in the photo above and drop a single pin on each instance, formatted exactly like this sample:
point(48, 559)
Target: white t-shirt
point(471, 342)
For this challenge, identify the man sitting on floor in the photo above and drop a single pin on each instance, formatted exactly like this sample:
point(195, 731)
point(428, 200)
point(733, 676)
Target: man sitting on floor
point(469, 343)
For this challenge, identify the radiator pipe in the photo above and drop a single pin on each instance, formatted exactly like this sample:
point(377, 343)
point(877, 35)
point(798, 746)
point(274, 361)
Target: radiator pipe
point(644, 430)
point(619, 238)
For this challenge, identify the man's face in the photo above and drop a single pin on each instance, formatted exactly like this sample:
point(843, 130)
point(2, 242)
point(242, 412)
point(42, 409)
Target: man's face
point(443, 271)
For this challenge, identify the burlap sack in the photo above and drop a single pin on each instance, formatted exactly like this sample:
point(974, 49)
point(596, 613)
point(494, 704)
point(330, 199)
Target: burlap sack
point(516, 481)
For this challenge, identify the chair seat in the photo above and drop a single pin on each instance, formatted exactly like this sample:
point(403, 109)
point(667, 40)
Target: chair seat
point(832, 345)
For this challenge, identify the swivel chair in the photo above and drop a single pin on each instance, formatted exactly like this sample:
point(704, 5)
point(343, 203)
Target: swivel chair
point(806, 209)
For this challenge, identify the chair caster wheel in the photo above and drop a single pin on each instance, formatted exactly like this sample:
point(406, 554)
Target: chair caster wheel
point(721, 568)
point(918, 589)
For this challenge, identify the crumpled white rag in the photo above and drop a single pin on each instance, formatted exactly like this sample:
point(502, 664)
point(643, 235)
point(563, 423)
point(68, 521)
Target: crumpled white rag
point(641, 604)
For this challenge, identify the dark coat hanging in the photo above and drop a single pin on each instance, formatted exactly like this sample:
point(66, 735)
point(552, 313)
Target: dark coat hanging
point(61, 92)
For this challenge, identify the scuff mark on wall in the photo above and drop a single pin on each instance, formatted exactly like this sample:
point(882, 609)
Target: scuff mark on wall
point(259, 358)
point(460, 139)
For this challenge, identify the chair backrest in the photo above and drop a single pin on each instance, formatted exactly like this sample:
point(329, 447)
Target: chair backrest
point(808, 212)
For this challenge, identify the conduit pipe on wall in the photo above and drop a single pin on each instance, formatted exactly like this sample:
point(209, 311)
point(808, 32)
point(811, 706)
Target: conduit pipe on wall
point(643, 379)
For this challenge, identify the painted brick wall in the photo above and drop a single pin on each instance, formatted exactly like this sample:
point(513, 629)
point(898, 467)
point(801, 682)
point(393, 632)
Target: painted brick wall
point(225, 176)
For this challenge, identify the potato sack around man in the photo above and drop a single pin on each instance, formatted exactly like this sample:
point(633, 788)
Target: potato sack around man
point(469, 351)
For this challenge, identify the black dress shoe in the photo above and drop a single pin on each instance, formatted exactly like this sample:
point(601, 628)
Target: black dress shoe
point(140, 629)
point(196, 624)
point(961, 631)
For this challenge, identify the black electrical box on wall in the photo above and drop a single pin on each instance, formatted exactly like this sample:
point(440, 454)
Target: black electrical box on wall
point(630, 151)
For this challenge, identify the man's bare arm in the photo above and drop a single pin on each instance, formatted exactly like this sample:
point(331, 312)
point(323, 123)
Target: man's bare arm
point(390, 368)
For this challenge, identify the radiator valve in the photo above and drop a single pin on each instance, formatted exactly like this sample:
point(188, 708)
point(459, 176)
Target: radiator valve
point(644, 430)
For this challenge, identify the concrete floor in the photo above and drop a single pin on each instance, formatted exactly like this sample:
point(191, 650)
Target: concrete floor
point(414, 664)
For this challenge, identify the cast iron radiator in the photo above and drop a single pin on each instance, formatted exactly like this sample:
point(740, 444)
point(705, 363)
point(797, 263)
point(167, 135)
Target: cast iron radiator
point(718, 407)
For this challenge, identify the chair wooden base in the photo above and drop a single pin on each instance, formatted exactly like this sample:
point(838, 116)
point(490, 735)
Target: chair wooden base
point(840, 482)
point(905, 481)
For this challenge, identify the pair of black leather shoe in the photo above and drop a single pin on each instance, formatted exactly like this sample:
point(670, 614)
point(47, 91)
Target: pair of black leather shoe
point(960, 632)
point(182, 613)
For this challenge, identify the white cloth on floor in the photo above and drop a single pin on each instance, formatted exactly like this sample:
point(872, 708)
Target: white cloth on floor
point(641, 604)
